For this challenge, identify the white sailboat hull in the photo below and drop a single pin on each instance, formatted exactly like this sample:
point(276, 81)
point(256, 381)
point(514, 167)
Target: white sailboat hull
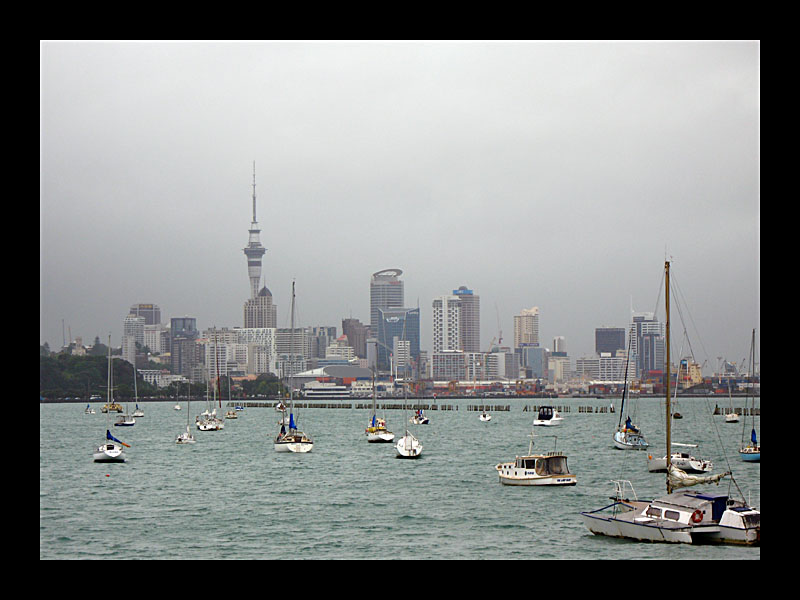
point(109, 452)
point(629, 441)
point(408, 447)
point(296, 447)
point(380, 437)
point(731, 418)
point(688, 464)
point(641, 531)
point(485, 418)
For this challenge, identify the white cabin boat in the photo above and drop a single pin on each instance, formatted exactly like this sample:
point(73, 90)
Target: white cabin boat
point(537, 469)
point(548, 417)
point(408, 446)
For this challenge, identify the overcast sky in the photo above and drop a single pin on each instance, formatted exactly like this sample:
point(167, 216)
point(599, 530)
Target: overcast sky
point(547, 174)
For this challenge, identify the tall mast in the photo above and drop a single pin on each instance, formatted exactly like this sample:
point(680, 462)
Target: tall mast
point(291, 363)
point(669, 420)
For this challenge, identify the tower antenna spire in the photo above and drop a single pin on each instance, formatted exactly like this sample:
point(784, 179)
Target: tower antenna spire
point(254, 191)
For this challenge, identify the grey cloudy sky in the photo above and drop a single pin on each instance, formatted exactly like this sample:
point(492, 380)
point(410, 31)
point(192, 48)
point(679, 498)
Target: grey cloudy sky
point(549, 174)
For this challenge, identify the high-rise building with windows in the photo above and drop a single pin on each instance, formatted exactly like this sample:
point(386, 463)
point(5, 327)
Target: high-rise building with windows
point(260, 311)
point(648, 346)
point(470, 326)
point(385, 292)
point(609, 339)
point(446, 324)
point(526, 327)
point(357, 334)
point(398, 334)
point(150, 312)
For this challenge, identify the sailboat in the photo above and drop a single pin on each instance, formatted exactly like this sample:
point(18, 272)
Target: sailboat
point(111, 449)
point(376, 431)
point(731, 416)
point(683, 460)
point(187, 437)
point(408, 446)
point(751, 452)
point(138, 412)
point(125, 420)
point(628, 436)
point(230, 413)
point(292, 440)
point(678, 517)
point(485, 417)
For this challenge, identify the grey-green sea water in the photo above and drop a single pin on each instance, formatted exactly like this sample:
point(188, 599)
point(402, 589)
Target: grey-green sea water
point(231, 496)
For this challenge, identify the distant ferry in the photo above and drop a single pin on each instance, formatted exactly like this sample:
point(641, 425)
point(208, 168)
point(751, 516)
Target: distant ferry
point(327, 390)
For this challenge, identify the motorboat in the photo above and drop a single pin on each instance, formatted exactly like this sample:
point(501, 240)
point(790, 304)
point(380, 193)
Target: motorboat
point(547, 468)
point(548, 417)
point(679, 517)
point(537, 469)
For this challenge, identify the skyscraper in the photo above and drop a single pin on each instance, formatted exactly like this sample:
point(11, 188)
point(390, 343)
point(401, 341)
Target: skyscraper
point(260, 311)
point(470, 327)
point(254, 250)
point(526, 327)
point(385, 292)
point(609, 339)
point(446, 324)
point(398, 334)
point(150, 312)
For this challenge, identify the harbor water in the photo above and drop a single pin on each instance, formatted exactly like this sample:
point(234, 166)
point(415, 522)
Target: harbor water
point(231, 496)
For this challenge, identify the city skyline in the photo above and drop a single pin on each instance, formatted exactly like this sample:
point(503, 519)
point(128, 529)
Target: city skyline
point(565, 190)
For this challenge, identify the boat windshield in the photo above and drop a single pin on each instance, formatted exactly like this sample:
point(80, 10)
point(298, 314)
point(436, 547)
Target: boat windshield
point(552, 465)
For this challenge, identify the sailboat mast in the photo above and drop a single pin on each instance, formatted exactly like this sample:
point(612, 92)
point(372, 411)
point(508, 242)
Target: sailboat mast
point(216, 362)
point(669, 421)
point(291, 362)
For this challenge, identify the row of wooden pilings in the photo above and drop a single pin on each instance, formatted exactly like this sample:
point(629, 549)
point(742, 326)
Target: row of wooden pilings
point(743, 411)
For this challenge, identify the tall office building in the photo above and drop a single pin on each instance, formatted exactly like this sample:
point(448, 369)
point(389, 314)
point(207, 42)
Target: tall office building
point(446, 324)
point(254, 250)
point(150, 312)
point(185, 354)
point(385, 292)
point(526, 327)
point(648, 346)
point(357, 334)
point(609, 339)
point(470, 326)
point(398, 334)
point(260, 311)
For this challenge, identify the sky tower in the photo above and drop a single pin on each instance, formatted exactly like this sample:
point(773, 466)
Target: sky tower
point(254, 250)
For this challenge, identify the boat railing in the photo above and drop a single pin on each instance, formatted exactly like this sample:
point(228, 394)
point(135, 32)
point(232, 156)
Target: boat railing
point(619, 490)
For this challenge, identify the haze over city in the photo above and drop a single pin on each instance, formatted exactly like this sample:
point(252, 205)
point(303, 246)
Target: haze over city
point(549, 174)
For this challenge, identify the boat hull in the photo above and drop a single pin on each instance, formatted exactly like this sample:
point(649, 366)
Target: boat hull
point(294, 447)
point(688, 465)
point(408, 447)
point(109, 453)
point(380, 437)
point(628, 441)
point(750, 456)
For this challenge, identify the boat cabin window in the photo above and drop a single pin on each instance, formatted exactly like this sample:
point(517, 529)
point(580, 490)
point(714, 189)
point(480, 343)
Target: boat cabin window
point(653, 512)
point(526, 463)
point(672, 515)
point(552, 465)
